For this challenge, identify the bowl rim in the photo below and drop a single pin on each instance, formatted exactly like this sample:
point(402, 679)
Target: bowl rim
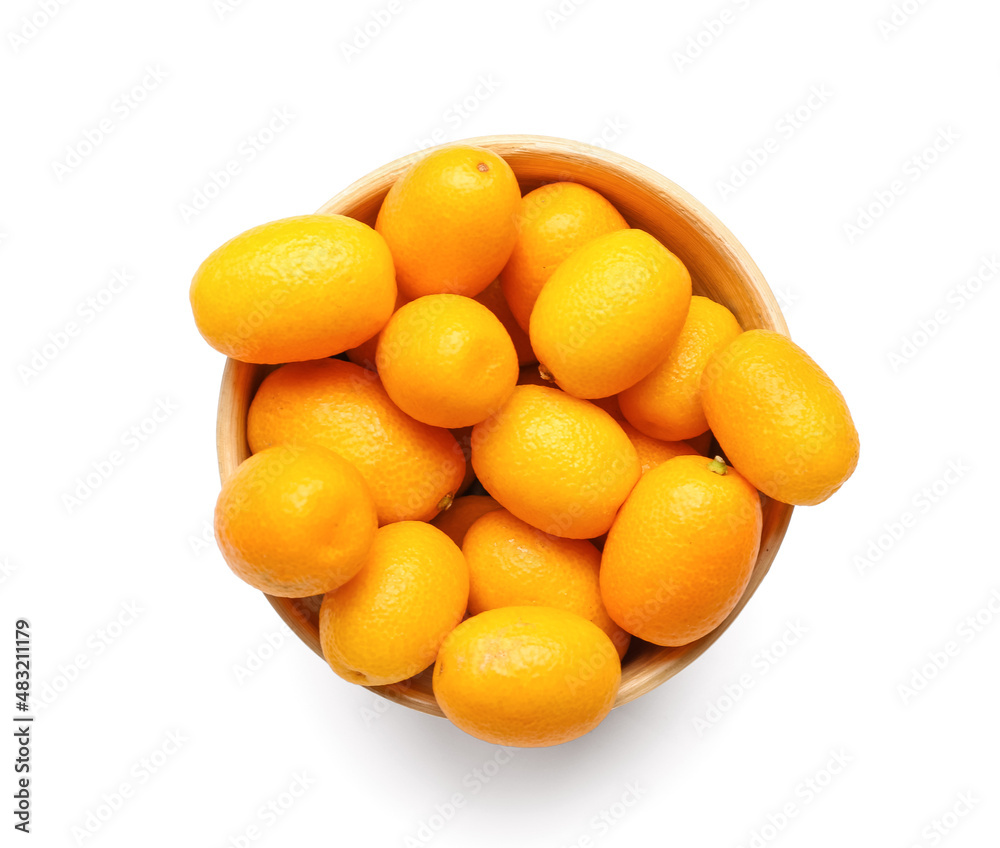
point(683, 204)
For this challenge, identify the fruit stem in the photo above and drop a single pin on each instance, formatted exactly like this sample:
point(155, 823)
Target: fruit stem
point(446, 502)
point(718, 465)
point(545, 374)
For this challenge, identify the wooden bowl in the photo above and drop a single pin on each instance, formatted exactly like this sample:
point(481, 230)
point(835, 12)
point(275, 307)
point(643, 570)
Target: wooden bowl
point(720, 269)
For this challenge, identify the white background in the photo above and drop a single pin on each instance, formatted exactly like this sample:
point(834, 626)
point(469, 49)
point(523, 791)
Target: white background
point(722, 755)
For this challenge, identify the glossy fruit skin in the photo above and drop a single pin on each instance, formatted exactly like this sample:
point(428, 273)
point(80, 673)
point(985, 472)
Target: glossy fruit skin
point(780, 419)
point(295, 521)
point(446, 360)
point(681, 551)
point(493, 299)
point(527, 676)
point(387, 623)
point(610, 313)
point(449, 221)
point(462, 514)
point(552, 222)
point(666, 404)
point(409, 466)
point(653, 452)
point(513, 564)
point(557, 462)
point(295, 289)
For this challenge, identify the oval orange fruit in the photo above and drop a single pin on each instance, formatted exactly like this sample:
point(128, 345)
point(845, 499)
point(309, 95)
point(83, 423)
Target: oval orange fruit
point(557, 462)
point(295, 521)
point(446, 360)
point(387, 623)
point(610, 313)
point(409, 466)
point(681, 551)
point(449, 221)
point(780, 419)
point(527, 676)
point(296, 289)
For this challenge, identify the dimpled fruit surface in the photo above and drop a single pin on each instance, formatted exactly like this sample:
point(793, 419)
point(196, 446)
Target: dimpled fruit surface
point(610, 313)
point(780, 419)
point(387, 623)
point(681, 550)
point(450, 221)
point(410, 467)
point(295, 289)
point(295, 521)
point(557, 462)
point(527, 676)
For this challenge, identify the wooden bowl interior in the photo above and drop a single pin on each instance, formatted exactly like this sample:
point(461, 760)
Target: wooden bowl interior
point(720, 269)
